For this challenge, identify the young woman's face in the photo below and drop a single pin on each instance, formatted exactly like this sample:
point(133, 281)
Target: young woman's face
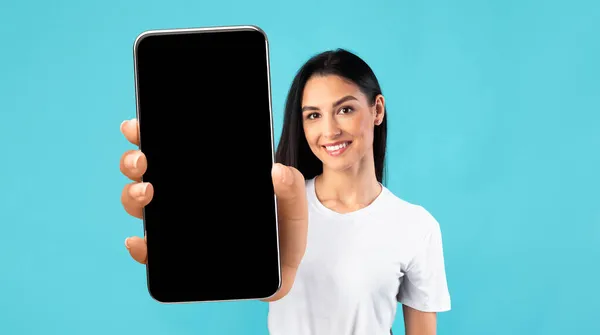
point(339, 121)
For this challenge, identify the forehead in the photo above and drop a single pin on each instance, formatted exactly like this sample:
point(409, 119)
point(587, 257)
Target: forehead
point(324, 90)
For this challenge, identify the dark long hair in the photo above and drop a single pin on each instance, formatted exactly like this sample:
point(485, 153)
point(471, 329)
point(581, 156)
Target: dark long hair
point(293, 150)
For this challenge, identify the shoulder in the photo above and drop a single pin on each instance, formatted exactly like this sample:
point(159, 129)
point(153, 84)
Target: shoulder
point(309, 182)
point(409, 215)
point(308, 185)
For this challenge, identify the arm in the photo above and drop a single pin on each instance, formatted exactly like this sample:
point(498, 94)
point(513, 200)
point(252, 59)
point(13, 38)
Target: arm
point(419, 323)
point(424, 291)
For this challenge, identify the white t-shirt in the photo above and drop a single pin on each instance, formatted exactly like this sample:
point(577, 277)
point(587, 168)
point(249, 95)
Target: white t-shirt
point(358, 266)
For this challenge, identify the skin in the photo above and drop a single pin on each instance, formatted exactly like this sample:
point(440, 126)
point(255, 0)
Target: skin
point(334, 110)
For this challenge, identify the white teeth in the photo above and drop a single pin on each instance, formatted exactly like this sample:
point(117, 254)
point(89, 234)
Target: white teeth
point(336, 147)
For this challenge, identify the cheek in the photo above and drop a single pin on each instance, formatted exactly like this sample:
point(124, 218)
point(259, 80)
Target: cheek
point(310, 135)
point(359, 127)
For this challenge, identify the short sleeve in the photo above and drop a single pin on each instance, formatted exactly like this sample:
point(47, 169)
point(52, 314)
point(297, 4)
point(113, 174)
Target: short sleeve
point(424, 286)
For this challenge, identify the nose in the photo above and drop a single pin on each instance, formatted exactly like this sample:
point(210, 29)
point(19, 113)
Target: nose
point(330, 128)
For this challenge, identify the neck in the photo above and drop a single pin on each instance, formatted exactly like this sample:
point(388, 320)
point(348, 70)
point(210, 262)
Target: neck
point(353, 188)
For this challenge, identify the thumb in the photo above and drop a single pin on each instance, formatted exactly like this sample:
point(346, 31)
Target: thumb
point(290, 189)
point(292, 211)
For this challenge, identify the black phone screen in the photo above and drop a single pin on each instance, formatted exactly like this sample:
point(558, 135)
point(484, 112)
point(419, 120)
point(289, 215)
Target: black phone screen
point(204, 110)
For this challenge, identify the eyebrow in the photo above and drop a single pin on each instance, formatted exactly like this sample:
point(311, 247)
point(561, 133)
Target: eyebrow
point(335, 104)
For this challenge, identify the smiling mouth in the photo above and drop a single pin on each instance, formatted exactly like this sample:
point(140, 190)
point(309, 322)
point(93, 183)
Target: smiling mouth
point(337, 149)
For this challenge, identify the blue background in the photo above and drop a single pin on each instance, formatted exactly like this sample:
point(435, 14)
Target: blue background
point(495, 128)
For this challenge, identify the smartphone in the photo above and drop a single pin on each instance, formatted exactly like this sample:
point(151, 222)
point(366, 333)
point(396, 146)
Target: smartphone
point(203, 101)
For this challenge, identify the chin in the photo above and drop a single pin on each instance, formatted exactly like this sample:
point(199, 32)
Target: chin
point(337, 167)
point(338, 163)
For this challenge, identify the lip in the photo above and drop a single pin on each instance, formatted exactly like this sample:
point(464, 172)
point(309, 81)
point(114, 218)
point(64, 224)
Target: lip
point(335, 143)
point(338, 152)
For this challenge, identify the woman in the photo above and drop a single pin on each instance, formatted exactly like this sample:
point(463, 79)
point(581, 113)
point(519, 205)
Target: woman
point(366, 249)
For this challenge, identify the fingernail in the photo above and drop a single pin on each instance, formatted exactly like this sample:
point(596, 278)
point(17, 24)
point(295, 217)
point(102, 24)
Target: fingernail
point(122, 125)
point(131, 161)
point(127, 243)
point(285, 174)
point(138, 191)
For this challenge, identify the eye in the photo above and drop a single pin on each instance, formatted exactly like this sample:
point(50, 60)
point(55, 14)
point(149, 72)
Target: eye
point(312, 116)
point(345, 110)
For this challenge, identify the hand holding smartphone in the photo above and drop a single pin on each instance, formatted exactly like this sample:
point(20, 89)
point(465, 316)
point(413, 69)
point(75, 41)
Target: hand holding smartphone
point(205, 128)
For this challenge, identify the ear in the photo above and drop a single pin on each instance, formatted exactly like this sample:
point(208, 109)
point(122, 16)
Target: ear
point(379, 112)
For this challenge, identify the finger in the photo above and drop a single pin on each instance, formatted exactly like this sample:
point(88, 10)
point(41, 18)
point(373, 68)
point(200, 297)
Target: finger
point(129, 128)
point(292, 208)
point(135, 197)
point(133, 164)
point(137, 248)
